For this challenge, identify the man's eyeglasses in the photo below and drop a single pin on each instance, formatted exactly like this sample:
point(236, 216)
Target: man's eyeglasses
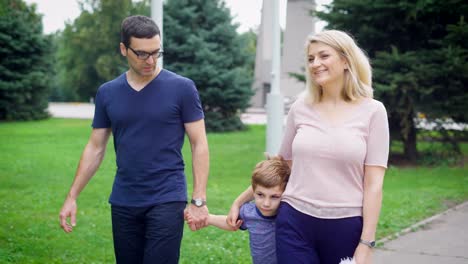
point(145, 55)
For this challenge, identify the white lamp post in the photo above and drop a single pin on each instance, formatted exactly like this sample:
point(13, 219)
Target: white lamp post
point(275, 103)
point(157, 16)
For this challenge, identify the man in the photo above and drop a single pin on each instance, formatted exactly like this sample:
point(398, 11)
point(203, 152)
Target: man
point(148, 110)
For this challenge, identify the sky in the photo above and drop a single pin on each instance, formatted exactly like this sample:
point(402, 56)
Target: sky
point(246, 13)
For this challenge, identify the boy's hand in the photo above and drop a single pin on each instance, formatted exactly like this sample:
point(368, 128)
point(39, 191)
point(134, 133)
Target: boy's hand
point(187, 216)
point(270, 157)
point(220, 221)
point(232, 218)
point(237, 224)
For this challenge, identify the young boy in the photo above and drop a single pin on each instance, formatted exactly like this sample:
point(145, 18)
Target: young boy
point(269, 180)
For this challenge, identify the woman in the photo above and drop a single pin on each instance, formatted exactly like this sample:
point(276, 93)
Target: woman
point(337, 141)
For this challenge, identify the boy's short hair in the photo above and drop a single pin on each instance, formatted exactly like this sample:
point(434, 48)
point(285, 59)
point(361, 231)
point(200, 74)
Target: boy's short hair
point(271, 173)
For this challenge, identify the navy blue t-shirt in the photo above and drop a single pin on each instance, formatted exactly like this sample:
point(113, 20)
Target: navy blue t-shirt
point(148, 130)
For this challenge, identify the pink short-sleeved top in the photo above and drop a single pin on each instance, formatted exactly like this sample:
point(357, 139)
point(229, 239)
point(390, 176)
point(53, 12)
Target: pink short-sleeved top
point(327, 171)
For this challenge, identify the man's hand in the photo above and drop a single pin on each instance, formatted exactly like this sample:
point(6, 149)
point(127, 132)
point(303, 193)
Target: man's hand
point(198, 217)
point(68, 211)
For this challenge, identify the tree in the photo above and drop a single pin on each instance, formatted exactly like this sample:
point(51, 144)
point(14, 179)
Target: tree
point(88, 49)
point(419, 55)
point(250, 48)
point(24, 62)
point(200, 42)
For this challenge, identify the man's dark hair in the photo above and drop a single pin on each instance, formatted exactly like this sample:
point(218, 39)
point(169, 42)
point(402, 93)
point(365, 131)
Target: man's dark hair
point(138, 27)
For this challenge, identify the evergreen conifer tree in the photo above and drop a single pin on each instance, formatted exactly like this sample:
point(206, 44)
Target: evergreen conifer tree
point(419, 53)
point(201, 42)
point(88, 52)
point(24, 63)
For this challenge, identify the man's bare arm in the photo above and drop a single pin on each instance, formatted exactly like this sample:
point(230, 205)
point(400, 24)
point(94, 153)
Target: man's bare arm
point(200, 168)
point(91, 159)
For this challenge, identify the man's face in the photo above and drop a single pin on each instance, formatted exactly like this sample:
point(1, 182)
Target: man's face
point(267, 200)
point(138, 48)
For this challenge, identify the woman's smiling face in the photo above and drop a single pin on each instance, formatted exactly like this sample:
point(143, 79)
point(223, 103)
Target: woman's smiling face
point(326, 66)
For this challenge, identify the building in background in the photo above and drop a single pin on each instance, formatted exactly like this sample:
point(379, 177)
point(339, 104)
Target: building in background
point(299, 24)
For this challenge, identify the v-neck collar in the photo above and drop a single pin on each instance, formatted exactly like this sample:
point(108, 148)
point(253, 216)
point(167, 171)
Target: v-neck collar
point(339, 123)
point(145, 86)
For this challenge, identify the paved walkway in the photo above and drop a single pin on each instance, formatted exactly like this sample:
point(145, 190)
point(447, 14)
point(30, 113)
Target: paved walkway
point(86, 111)
point(441, 239)
point(71, 110)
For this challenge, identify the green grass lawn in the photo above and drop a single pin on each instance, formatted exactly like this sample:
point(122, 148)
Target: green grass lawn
point(37, 165)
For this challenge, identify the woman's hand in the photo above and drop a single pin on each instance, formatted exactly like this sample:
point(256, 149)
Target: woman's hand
point(363, 254)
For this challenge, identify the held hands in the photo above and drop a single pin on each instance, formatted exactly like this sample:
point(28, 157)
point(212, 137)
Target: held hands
point(68, 211)
point(196, 217)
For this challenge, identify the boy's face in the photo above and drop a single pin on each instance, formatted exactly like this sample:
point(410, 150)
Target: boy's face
point(267, 200)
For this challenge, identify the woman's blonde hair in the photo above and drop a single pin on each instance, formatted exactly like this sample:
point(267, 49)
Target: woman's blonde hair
point(358, 76)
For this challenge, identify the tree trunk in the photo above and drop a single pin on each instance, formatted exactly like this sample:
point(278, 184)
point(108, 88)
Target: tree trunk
point(410, 150)
point(408, 129)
